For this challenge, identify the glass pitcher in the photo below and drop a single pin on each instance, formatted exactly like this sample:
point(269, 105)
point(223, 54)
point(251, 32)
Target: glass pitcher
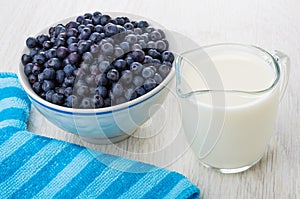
point(229, 96)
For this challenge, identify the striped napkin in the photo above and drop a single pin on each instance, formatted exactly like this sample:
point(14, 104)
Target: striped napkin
point(33, 166)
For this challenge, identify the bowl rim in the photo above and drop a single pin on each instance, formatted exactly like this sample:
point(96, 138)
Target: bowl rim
point(105, 110)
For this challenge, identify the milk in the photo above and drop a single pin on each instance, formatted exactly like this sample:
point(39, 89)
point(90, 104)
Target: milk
point(229, 130)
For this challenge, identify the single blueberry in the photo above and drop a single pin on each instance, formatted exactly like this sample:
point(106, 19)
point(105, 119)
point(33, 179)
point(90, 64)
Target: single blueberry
point(88, 57)
point(47, 45)
point(49, 95)
point(101, 79)
point(69, 81)
point(125, 46)
point(157, 77)
point(102, 91)
point(60, 76)
point(131, 38)
point(129, 26)
point(58, 98)
point(151, 44)
point(42, 38)
point(136, 67)
point(168, 56)
point(149, 84)
point(48, 85)
point(130, 94)
point(26, 59)
point(120, 64)
point(49, 73)
point(62, 52)
point(113, 75)
point(98, 101)
point(110, 29)
point(107, 49)
point(85, 103)
point(31, 42)
point(39, 59)
point(118, 52)
point(148, 72)
point(36, 69)
point(117, 90)
point(154, 54)
point(37, 87)
point(103, 66)
point(32, 78)
point(140, 91)
point(138, 80)
point(161, 45)
point(68, 91)
point(164, 70)
point(99, 29)
point(50, 53)
point(126, 77)
point(138, 55)
point(28, 68)
point(54, 63)
point(72, 101)
point(73, 47)
point(85, 33)
point(74, 58)
point(142, 24)
point(96, 37)
point(69, 69)
point(155, 35)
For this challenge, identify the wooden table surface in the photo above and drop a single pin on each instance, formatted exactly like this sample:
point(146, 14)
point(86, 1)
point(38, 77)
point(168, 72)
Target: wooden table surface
point(269, 24)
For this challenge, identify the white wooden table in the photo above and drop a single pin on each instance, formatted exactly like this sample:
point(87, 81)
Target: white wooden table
point(270, 24)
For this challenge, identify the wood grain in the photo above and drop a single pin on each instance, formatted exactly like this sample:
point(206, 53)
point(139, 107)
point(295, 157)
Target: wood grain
point(269, 24)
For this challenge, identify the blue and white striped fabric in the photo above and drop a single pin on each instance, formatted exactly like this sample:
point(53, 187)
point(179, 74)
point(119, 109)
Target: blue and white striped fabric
point(32, 166)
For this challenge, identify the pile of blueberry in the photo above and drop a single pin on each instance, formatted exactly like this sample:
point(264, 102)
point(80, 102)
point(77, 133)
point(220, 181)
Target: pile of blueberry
point(97, 61)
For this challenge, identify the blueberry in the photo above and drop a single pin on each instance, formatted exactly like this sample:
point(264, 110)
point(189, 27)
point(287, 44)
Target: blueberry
point(129, 26)
point(103, 66)
point(107, 102)
point(74, 58)
point(72, 40)
point(98, 101)
point(147, 72)
point(140, 91)
point(138, 55)
point(37, 87)
point(148, 59)
point(130, 94)
point(138, 31)
point(49, 73)
point(68, 91)
point(42, 38)
point(118, 52)
point(157, 77)
point(49, 95)
point(110, 29)
point(107, 49)
point(117, 89)
point(125, 46)
point(72, 32)
point(54, 63)
point(136, 67)
point(41, 77)
point(101, 79)
point(168, 56)
point(145, 37)
point(72, 101)
point(36, 69)
point(167, 63)
point(138, 81)
point(154, 54)
point(83, 47)
point(96, 37)
point(80, 19)
point(164, 70)
point(151, 44)
point(60, 76)
point(82, 90)
point(47, 85)
point(60, 42)
point(39, 59)
point(142, 24)
point(62, 52)
point(120, 64)
point(102, 91)
point(69, 69)
point(31, 42)
point(72, 24)
point(69, 81)
point(88, 16)
point(131, 38)
point(58, 98)
point(97, 13)
point(85, 103)
point(149, 84)
point(90, 80)
point(32, 78)
point(161, 45)
point(94, 48)
point(142, 43)
point(26, 59)
point(104, 19)
point(85, 33)
point(156, 62)
point(28, 68)
point(155, 35)
point(73, 47)
point(126, 77)
point(136, 47)
point(33, 51)
point(99, 29)
point(51, 53)
point(96, 19)
point(113, 75)
point(47, 45)
point(88, 57)
point(129, 60)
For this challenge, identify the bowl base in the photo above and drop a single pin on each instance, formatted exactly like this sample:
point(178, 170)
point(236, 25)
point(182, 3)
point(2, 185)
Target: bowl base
point(107, 140)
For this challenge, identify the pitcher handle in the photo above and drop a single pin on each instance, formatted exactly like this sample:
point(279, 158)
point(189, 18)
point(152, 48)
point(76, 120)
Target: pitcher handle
point(284, 65)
